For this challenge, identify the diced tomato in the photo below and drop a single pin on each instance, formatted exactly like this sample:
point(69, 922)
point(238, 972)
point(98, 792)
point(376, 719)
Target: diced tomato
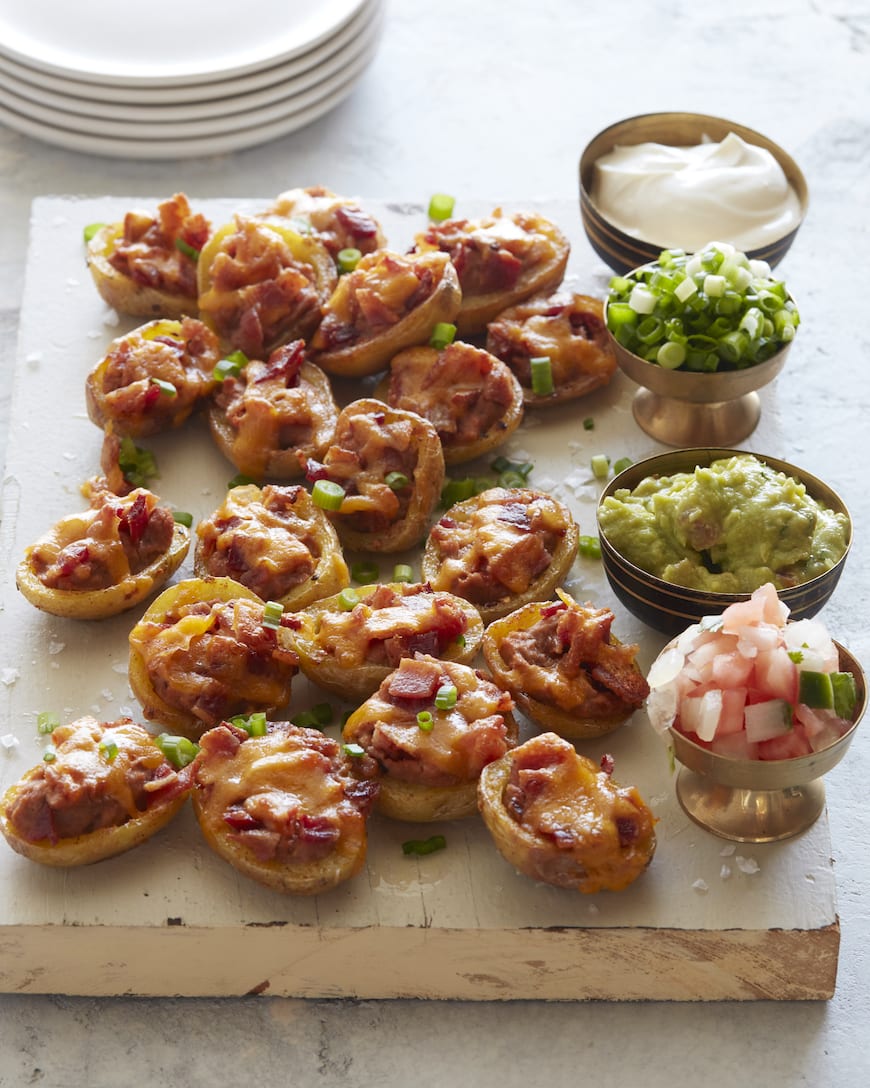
point(789, 746)
point(733, 706)
point(775, 674)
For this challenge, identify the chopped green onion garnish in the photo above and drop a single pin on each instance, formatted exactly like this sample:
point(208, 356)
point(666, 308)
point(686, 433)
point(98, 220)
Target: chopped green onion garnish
point(272, 614)
point(327, 494)
point(511, 479)
point(47, 721)
point(441, 207)
point(254, 725)
point(178, 750)
point(92, 229)
point(322, 713)
point(542, 376)
point(396, 481)
point(365, 572)
point(353, 750)
point(420, 847)
point(589, 547)
point(187, 249)
point(239, 481)
point(166, 388)
point(589, 424)
point(108, 748)
point(137, 464)
point(600, 466)
point(456, 491)
point(306, 719)
point(521, 468)
point(402, 573)
point(446, 696)
point(460, 641)
point(621, 464)
point(348, 599)
point(49, 755)
point(230, 366)
point(182, 517)
point(442, 335)
point(348, 259)
point(425, 721)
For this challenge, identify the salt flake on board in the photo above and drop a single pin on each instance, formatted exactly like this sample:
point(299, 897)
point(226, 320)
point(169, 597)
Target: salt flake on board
point(9, 741)
point(9, 676)
point(56, 647)
point(747, 865)
point(700, 885)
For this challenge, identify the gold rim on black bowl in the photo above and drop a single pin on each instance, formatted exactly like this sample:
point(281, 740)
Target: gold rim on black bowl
point(670, 608)
point(754, 800)
point(621, 251)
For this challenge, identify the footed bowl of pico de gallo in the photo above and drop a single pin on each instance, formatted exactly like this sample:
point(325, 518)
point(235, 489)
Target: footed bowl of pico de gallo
point(756, 707)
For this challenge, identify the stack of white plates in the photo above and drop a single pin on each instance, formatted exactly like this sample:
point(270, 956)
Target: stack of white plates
point(172, 79)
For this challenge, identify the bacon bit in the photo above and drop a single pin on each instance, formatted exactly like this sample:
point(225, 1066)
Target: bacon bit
point(284, 362)
point(151, 396)
point(315, 470)
point(412, 683)
point(515, 513)
point(589, 324)
point(240, 820)
point(356, 221)
point(607, 764)
point(627, 830)
point(551, 609)
point(447, 523)
point(292, 621)
point(134, 520)
point(176, 345)
point(76, 554)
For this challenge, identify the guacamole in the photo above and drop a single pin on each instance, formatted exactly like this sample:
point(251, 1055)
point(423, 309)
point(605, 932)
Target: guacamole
point(727, 528)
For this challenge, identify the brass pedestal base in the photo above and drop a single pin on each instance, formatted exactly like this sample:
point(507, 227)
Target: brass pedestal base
point(686, 423)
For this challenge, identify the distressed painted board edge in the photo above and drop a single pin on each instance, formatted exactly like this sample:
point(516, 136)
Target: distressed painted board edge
point(557, 964)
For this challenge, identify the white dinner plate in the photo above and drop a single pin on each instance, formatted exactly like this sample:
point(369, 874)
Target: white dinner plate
point(232, 140)
point(83, 96)
point(228, 115)
point(174, 43)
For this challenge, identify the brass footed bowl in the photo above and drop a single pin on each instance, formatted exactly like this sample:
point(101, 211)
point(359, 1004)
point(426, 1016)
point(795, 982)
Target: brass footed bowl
point(749, 800)
point(688, 408)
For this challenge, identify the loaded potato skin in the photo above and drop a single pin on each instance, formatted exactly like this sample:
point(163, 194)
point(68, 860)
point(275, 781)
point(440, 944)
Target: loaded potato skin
point(105, 560)
point(564, 667)
point(338, 221)
point(502, 549)
point(432, 750)
point(287, 809)
point(107, 788)
point(153, 378)
point(350, 647)
point(558, 818)
point(204, 651)
point(146, 265)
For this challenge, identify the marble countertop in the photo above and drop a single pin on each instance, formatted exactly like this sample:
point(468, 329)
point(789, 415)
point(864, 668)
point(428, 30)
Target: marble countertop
point(495, 101)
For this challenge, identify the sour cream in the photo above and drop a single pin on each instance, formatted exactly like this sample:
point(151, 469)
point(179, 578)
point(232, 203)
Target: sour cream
point(683, 196)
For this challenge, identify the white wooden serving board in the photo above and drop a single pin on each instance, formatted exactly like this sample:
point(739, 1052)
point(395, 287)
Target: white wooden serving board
point(708, 921)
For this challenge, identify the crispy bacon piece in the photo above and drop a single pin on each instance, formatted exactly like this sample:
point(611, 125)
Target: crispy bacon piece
point(147, 250)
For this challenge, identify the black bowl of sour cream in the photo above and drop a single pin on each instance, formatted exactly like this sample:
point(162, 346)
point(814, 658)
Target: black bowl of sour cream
point(678, 180)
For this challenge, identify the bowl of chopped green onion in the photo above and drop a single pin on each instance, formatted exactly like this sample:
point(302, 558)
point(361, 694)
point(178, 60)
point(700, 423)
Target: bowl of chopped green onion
point(700, 333)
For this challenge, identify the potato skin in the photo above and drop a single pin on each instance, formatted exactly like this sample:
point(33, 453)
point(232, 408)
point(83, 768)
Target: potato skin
point(98, 604)
point(95, 846)
point(540, 589)
point(585, 867)
point(371, 354)
point(572, 723)
point(124, 294)
point(362, 681)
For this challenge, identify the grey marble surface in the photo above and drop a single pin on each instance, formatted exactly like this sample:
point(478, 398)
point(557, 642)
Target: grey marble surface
point(496, 100)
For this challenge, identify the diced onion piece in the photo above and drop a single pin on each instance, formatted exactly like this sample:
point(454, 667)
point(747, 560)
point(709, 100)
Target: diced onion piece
point(769, 719)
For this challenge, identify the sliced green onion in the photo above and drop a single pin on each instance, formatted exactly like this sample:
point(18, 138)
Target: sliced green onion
point(272, 614)
point(502, 464)
point(353, 750)
point(460, 641)
point(396, 481)
point(254, 724)
point(239, 481)
point(421, 847)
point(621, 464)
point(348, 259)
point(402, 573)
point(187, 249)
point(425, 721)
point(511, 479)
point(589, 424)
point(137, 464)
point(230, 366)
point(348, 599)
point(91, 230)
point(589, 547)
point(365, 572)
point(47, 721)
point(178, 750)
point(182, 517)
point(165, 387)
point(327, 494)
point(457, 491)
point(446, 696)
point(542, 376)
point(108, 748)
point(441, 207)
point(442, 335)
point(600, 464)
point(49, 755)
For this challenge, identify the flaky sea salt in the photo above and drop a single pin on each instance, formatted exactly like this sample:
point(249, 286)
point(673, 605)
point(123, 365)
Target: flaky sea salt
point(700, 885)
point(111, 318)
point(747, 865)
point(9, 741)
point(727, 851)
point(56, 647)
point(9, 676)
point(725, 872)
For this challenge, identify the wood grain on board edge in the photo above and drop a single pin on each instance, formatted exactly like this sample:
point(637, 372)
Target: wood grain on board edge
point(559, 964)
